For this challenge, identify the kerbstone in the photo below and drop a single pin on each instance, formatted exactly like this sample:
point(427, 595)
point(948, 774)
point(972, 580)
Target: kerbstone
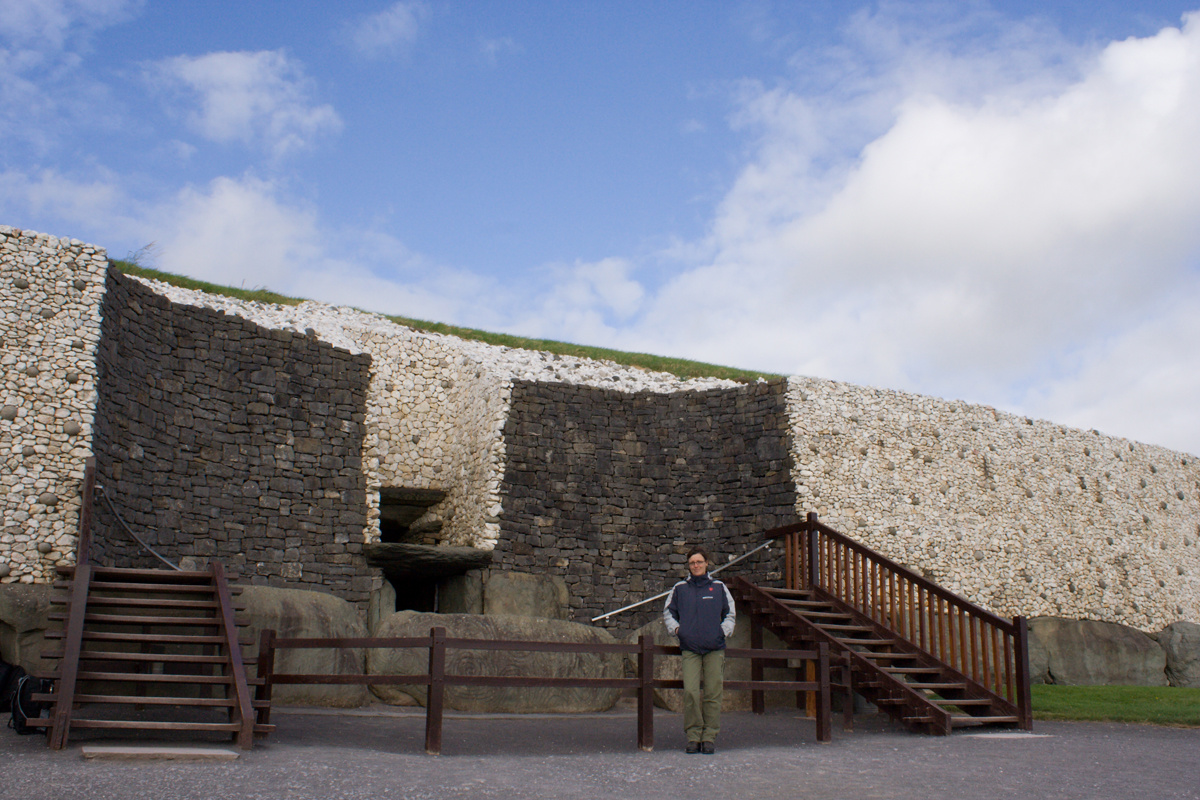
point(1093, 653)
point(296, 613)
point(415, 661)
point(1181, 642)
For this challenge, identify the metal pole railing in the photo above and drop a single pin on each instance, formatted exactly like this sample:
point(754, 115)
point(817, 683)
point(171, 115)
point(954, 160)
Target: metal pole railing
point(661, 595)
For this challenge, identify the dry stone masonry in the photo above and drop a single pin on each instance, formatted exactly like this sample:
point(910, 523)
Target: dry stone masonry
point(607, 490)
point(217, 438)
point(1022, 516)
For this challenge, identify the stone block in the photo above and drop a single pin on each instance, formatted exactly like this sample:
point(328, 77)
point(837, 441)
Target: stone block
point(1086, 652)
point(302, 613)
point(462, 594)
point(415, 661)
point(525, 595)
point(1181, 642)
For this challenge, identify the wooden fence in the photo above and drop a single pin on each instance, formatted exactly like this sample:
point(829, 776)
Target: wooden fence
point(643, 685)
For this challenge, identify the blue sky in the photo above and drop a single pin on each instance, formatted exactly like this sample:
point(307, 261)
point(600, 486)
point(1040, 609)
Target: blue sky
point(998, 202)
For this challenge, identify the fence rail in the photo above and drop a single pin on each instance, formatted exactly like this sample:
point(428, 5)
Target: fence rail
point(437, 679)
point(987, 649)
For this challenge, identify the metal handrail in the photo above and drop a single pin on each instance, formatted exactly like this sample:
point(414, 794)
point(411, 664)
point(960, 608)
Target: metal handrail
point(661, 595)
point(112, 507)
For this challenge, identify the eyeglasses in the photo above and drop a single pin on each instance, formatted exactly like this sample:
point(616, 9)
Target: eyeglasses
point(696, 561)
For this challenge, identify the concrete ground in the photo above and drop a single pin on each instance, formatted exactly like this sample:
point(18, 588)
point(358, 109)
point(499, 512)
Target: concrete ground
point(378, 753)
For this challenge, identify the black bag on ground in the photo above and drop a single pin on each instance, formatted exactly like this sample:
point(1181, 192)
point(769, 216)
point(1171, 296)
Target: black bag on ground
point(25, 708)
point(10, 674)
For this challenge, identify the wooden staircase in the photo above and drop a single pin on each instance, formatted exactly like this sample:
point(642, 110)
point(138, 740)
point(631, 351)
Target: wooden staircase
point(150, 650)
point(928, 658)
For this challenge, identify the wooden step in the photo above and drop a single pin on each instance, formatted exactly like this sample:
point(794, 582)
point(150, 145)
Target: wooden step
point(139, 619)
point(827, 614)
point(148, 588)
point(143, 677)
point(912, 670)
point(892, 656)
point(164, 575)
point(150, 602)
point(865, 642)
point(827, 627)
point(937, 687)
point(963, 701)
point(964, 721)
point(112, 655)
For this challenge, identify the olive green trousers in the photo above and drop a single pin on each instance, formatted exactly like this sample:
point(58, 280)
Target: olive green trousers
point(702, 707)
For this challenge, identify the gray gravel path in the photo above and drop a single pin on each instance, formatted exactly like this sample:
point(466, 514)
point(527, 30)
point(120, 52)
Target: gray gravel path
point(377, 753)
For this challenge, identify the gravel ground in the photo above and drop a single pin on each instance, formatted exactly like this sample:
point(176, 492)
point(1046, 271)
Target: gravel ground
point(377, 753)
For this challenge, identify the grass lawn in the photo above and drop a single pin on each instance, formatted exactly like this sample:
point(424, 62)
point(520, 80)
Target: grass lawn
point(679, 367)
point(1161, 705)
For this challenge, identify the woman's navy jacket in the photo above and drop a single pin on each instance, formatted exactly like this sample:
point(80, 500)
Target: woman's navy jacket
point(700, 612)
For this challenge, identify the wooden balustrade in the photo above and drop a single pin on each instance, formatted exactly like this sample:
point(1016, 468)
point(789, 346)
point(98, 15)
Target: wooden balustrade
point(987, 649)
point(438, 679)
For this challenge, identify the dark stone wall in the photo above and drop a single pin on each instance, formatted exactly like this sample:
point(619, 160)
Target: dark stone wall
point(609, 489)
point(219, 439)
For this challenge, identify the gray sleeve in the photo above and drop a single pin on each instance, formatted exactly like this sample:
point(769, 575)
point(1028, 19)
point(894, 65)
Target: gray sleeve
point(668, 617)
point(730, 619)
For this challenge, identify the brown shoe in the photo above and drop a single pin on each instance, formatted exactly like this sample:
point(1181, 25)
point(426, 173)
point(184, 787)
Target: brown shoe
point(708, 748)
point(692, 748)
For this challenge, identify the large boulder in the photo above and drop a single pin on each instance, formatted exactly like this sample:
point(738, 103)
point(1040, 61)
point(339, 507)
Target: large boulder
point(297, 613)
point(1087, 652)
point(24, 610)
point(736, 669)
point(526, 595)
point(1181, 642)
point(415, 661)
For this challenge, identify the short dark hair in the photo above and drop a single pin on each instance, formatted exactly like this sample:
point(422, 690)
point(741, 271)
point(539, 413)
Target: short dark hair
point(699, 551)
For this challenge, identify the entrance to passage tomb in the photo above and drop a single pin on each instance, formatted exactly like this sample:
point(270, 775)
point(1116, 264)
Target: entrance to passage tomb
point(408, 553)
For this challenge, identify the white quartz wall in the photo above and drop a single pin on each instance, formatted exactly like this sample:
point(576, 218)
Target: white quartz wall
point(50, 292)
point(1022, 516)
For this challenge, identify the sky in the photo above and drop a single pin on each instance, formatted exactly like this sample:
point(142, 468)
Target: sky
point(997, 202)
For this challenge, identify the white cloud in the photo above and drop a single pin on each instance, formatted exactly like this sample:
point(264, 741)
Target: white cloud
point(386, 32)
point(590, 300)
point(493, 48)
point(260, 98)
point(998, 225)
point(43, 90)
point(46, 24)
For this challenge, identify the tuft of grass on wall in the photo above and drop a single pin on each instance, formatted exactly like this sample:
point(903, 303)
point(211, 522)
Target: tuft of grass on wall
point(679, 367)
point(1159, 705)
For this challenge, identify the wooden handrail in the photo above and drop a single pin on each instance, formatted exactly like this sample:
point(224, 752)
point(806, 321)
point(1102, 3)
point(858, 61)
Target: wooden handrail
point(244, 707)
point(813, 524)
point(989, 650)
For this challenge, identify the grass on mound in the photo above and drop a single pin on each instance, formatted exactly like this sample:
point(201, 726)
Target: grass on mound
point(675, 366)
point(1160, 705)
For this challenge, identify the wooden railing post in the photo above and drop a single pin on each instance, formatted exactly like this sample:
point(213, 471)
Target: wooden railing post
point(758, 702)
point(69, 667)
point(437, 691)
point(83, 547)
point(266, 672)
point(824, 703)
point(813, 576)
point(645, 693)
point(1021, 654)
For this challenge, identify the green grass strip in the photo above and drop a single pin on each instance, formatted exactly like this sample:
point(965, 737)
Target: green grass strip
point(679, 367)
point(1160, 705)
